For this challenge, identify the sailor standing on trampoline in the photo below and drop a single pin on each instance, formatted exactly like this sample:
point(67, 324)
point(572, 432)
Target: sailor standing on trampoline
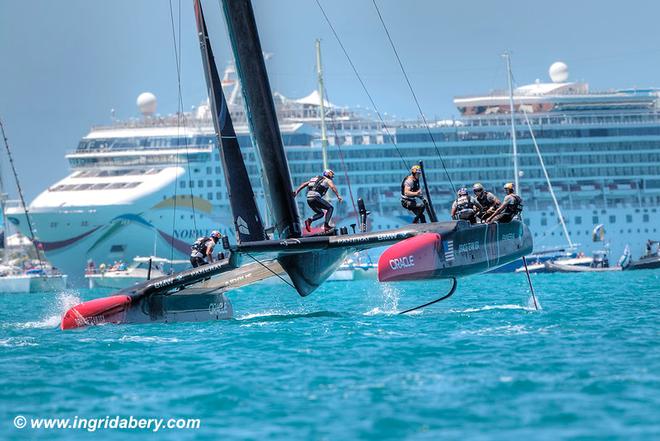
point(317, 187)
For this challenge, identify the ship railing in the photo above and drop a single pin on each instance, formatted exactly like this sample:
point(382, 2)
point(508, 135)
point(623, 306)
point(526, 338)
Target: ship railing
point(622, 117)
point(199, 148)
point(13, 204)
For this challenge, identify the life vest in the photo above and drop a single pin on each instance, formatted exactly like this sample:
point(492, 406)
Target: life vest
point(316, 184)
point(463, 203)
point(516, 208)
point(485, 201)
point(413, 187)
point(200, 245)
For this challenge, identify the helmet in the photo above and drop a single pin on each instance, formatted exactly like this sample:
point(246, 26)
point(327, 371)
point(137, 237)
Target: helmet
point(415, 169)
point(509, 186)
point(462, 191)
point(215, 234)
point(328, 173)
point(477, 187)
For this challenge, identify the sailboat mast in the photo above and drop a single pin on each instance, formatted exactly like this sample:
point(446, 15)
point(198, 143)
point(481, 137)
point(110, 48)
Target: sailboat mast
point(514, 141)
point(547, 179)
point(324, 134)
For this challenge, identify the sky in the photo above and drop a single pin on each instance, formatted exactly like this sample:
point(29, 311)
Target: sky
point(65, 64)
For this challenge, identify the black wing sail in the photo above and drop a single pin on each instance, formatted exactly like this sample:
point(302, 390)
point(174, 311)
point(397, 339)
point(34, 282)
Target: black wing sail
point(247, 219)
point(261, 114)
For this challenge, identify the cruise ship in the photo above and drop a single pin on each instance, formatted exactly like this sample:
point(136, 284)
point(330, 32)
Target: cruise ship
point(152, 184)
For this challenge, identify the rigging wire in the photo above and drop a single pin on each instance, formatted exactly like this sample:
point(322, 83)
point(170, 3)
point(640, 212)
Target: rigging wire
point(364, 86)
point(20, 195)
point(414, 95)
point(176, 163)
point(262, 264)
point(180, 118)
point(341, 159)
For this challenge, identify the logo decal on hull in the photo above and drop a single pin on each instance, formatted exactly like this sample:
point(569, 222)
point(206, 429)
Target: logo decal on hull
point(468, 246)
point(402, 262)
point(448, 248)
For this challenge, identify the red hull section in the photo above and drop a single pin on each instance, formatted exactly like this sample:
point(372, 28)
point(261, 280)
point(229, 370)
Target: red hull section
point(410, 259)
point(95, 312)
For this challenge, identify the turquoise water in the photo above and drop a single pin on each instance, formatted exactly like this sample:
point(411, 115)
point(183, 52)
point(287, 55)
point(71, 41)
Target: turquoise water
point(341, 365)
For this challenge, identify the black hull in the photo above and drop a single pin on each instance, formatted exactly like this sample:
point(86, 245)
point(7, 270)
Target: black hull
point(652, 262)
point(454, 249)
point(179, 307)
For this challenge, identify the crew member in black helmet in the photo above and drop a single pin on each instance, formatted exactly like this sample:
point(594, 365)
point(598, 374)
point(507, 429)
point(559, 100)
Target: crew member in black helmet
point(489, 202)
point(411, 194)
point(317, 187)
point(512, 206)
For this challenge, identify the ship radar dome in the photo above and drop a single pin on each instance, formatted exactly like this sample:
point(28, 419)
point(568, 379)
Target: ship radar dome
point(558, 72)
point(147, 102)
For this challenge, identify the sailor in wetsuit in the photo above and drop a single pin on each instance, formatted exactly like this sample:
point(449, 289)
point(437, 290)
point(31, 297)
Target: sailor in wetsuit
point(317, 187)
point(202, 250)
point(465, 207)
point(411, 195)
point(489, 202)
point(511, 207)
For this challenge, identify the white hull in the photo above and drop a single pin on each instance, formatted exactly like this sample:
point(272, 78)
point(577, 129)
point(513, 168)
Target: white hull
point(15, 284)
point(23, 284)
point(110, 282)
point(344, 274)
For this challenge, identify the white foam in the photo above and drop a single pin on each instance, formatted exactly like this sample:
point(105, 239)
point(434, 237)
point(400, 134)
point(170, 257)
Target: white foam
point(379, 311)
point(147, 339)
point(491, 308)
point(533, 305)
point(498, 330)
point(266, 314)
point(390, 296)
point(14, 342)
point(64, 301)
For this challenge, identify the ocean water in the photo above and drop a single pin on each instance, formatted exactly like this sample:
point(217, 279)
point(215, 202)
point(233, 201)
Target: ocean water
point(341, 364)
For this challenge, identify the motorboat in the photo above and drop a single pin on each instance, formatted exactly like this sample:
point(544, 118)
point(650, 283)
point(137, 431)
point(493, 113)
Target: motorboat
point(121, 276)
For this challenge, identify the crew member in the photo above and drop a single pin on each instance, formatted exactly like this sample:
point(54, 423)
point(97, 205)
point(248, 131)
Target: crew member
point(411, 195)
point(511, 207)
point(465, 207)
point(202, 249)
point(488, 201)
point(317, 187)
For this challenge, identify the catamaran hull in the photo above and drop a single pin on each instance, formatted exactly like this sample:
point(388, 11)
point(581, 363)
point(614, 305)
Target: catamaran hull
point(457, 252)
point(644, 263)
point(158, 308)
point(194, 295)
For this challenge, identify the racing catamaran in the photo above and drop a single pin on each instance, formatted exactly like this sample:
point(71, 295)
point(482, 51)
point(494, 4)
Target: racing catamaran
point(443, 250)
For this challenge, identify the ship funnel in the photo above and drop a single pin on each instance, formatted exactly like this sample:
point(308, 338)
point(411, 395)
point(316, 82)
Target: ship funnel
point(147, 103)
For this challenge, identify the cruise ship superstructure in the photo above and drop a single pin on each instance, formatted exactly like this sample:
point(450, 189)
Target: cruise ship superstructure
point(152, 185)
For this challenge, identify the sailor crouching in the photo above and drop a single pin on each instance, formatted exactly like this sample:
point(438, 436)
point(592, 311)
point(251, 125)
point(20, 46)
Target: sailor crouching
point(202, 250)
point(489, 202)
point(411, 195)
point(465, 207)
point(317, 187)
point(512, 206)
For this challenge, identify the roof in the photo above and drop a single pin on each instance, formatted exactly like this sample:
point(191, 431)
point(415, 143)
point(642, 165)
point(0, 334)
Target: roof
point(314, 99)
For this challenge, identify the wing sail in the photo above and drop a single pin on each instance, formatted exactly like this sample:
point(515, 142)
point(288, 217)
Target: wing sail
point(260, 110)
point(247, 220)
